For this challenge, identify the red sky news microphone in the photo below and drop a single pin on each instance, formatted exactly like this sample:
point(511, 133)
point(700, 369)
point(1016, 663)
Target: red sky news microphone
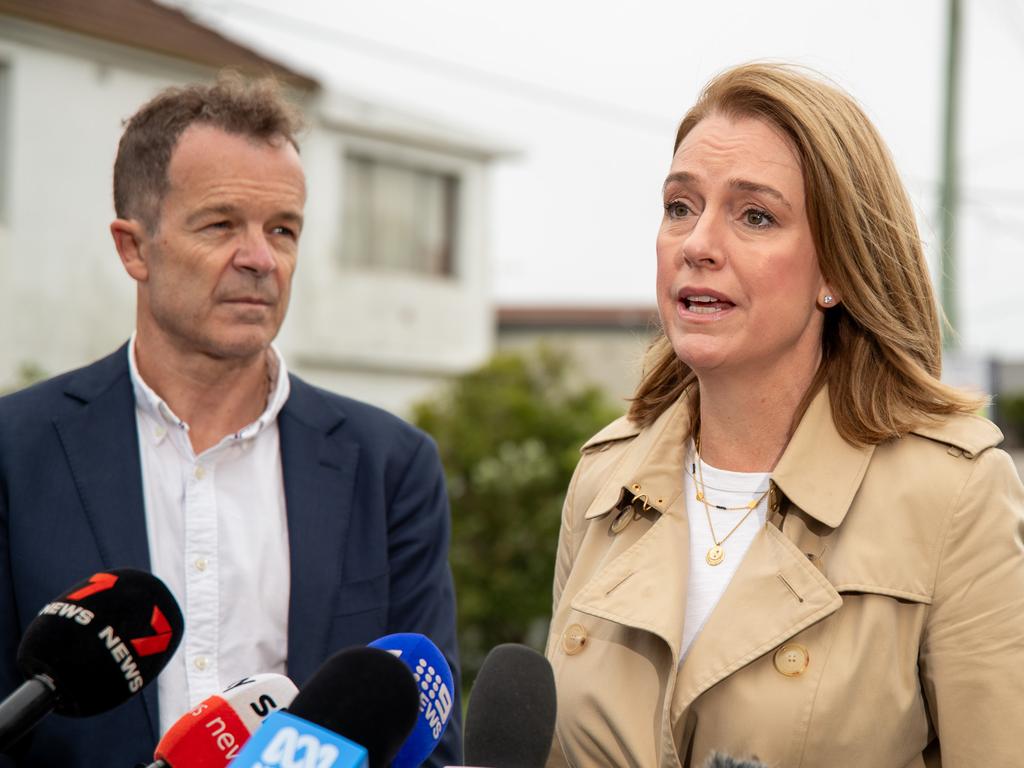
point(211, 735)
point(356, 711)
point(91, 649)
point(510, 719)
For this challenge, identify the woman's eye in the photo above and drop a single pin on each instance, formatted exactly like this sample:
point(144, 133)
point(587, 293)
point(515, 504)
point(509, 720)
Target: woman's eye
point(677, 209)
point(758, 219)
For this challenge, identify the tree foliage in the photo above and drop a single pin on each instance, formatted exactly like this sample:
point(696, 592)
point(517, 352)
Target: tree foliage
point(509, 435)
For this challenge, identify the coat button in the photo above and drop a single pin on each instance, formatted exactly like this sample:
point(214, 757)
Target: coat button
point(574, 639)
point(792, 659)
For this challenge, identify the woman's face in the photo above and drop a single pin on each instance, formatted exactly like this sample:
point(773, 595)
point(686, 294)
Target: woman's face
point(738, 279)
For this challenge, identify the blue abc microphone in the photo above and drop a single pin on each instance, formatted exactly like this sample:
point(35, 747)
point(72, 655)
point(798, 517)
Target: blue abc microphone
point(354, 712)
point(436, 693)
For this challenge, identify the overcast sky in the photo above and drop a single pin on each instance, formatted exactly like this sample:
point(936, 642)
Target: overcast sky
point(589, 93)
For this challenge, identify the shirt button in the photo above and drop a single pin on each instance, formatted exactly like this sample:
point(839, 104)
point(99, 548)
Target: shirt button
point(201, 563)
point(159, 432)
point(201, 663)
point(200, 473)
point(791, 660)
point(574, 639)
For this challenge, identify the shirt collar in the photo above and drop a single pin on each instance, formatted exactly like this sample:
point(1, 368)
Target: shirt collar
point(150, 403)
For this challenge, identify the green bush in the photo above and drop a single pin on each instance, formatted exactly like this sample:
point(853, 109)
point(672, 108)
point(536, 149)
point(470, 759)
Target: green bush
point(1011, 411)
point(509, 436)
point(27, 373)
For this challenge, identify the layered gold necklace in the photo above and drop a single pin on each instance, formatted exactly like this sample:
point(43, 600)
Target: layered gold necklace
point(716, 553)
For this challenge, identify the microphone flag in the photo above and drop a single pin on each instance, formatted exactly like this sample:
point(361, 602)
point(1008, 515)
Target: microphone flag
point(286, 741)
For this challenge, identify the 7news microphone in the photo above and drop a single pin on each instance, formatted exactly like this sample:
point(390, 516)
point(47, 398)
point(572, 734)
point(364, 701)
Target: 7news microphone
point(355, 712)
point(91, 649)
point(212, 733)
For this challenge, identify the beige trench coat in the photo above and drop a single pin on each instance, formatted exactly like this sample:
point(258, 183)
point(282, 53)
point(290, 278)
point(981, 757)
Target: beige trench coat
point(879, 612)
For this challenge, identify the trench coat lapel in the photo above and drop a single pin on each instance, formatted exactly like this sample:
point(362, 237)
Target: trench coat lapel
point(775, 594)
point(633, 589)
point(319, 469)
point(644, 585)
point(101, 443)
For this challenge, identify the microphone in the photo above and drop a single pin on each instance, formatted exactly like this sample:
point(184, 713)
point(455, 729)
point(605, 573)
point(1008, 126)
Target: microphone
point(718, 760)
point(91, 649)
point(510, 720)
point(213, 733)
point(436, 693)
point(356, 711)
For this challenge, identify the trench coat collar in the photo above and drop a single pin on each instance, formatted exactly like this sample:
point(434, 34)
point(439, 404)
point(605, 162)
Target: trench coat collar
point(651, 464)
point(775, 593)
point(819, 471)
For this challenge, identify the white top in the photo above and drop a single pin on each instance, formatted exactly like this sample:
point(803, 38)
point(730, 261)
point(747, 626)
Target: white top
point(218, 537)
point(708, 582)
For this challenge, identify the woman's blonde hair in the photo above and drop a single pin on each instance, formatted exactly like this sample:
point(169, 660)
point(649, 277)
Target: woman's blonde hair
point(881, 346)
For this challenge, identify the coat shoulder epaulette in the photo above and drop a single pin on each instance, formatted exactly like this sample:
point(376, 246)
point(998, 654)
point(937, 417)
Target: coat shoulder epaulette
point(620, 429)
point(967, 433)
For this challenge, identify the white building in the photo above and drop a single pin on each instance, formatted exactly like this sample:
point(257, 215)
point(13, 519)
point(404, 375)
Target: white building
point(390, 295)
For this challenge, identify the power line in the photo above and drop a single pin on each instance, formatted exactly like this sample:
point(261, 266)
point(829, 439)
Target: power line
point(421, 60)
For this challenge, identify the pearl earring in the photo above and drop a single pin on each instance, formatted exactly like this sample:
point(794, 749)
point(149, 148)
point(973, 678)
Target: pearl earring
point(827, 299)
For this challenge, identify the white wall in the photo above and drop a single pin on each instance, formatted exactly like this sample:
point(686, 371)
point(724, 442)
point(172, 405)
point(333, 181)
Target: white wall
point(64, 298)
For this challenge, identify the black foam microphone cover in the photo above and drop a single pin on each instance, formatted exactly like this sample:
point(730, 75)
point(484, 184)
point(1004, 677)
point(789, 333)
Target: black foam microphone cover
point(718, 760)
point(510, 719)
point(102, 640)
point(366, 695)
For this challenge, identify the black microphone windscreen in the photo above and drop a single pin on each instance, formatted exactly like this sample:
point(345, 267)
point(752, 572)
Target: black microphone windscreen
point(102, 640)
point(510, 719)
point(718, 760)
point(366, 695)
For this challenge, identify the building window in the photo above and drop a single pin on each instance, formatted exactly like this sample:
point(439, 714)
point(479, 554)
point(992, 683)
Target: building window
point(398, 217)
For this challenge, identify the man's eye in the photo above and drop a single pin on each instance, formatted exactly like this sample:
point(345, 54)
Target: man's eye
point(286, 231)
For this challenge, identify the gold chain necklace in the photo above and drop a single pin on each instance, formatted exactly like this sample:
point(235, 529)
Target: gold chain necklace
point(716, 553)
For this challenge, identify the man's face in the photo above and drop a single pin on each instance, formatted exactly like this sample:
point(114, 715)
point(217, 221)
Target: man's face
point(218, 269)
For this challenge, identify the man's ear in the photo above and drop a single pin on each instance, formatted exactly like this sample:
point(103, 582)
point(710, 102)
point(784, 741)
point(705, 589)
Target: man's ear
point(129, 239)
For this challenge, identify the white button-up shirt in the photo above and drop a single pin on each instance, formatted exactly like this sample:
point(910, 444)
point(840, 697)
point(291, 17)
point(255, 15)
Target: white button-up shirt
point(218, 537)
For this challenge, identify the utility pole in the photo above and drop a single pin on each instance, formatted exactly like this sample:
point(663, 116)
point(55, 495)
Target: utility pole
point(949, 195)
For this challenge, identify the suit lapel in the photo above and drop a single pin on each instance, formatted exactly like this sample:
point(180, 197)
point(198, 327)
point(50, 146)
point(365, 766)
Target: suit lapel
point(319, 470)
point(101, 444)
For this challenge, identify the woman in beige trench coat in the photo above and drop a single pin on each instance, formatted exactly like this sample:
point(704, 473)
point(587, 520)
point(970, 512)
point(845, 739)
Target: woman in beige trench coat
point(799, 546)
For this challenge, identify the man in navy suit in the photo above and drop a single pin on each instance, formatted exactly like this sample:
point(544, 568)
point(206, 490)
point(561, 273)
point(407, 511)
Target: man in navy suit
point(289, 522)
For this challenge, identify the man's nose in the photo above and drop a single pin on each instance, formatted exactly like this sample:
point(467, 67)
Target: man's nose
point(255, 254)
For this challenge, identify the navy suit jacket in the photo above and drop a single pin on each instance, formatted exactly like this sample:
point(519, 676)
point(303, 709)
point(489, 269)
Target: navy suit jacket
point(368, 527)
